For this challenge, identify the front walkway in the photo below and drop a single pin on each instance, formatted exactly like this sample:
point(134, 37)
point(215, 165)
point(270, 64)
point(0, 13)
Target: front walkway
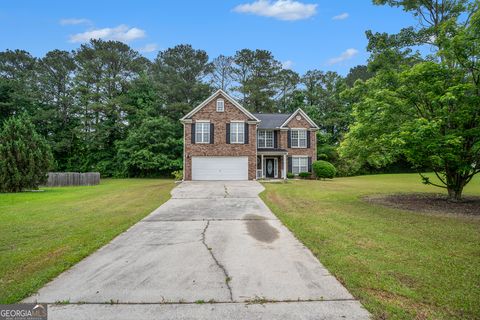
point(213, 251)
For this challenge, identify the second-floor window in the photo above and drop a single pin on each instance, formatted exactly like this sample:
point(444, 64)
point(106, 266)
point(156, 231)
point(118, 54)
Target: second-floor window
point(237, 132)
point(299, 138)
point(202, 132)
point(220, 105)
point(265, 139)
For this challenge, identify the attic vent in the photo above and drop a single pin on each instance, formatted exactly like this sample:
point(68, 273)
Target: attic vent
point(298, 117)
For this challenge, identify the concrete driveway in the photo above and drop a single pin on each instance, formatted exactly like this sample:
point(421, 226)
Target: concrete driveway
point(213, 251)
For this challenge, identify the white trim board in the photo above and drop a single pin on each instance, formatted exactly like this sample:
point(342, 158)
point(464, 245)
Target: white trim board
point(226, 96)
point(303, 114)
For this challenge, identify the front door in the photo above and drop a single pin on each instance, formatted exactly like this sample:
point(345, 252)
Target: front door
point(270, 168)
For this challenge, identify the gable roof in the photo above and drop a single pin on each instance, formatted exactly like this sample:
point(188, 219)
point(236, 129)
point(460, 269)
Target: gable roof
point(271, 120)
point(304, 115)
point(226, 96)
point(280, 120)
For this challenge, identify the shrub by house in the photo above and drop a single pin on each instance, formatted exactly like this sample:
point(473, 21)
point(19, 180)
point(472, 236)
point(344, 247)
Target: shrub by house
point(324, 169)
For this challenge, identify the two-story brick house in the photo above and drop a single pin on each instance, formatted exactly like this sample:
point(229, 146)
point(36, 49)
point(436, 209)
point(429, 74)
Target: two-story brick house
point(224, 141)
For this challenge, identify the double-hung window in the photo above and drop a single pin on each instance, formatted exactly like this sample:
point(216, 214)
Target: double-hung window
point(220, 105)
point(299, 138)
point(299, 164)
point(237, 132)
point(265, 139)
point(202, 132)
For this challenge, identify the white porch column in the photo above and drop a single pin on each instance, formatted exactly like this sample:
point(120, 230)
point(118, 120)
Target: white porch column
point(263, 176)
point(284, 166)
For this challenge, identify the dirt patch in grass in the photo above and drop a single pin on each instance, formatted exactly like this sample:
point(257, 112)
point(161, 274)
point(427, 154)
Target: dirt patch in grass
point(419, 311)
point(428, 202)
point(275, 198)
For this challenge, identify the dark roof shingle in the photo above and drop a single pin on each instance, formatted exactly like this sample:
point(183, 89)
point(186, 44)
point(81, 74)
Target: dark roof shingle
point(271, 120)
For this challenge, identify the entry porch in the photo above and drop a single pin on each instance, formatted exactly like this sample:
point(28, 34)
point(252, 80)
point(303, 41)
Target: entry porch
point(272, 164)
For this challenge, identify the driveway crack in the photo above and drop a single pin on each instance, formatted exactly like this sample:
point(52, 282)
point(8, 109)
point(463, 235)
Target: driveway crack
point(227, 277)
point(226, 191)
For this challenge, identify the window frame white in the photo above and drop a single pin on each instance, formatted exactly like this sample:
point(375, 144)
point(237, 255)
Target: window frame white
point(220, 102)
point(296, 142)
point(236, 134)
point(204, 131)
point(264, 132)
point(299, 165)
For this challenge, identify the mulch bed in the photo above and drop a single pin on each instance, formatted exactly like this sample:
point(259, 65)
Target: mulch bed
point(428, 202)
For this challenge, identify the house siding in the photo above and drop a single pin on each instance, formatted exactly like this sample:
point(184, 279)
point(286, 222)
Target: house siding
point(220, 146)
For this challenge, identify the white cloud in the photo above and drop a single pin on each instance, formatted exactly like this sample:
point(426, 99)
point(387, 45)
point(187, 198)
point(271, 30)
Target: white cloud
point(279, 9)
point(288, 64)
point(149, 47)
point(120, 33)
point(341, 16)
point(75, 21)
point(346, 55)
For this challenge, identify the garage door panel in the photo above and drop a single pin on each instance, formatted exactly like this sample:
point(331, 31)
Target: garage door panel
point(219, 168)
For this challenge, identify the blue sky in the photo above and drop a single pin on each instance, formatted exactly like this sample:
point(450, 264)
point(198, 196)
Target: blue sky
point(302, 34)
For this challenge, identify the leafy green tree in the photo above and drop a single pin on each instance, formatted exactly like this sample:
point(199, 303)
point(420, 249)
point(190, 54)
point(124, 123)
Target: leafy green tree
point(152, 149)
point(287, 82)
point(180, 72)
point(429, 114)
point(359, 72)
point(143, 100)
point(25, 156)
point(56, 114)
point(256, 73)
point(445, 133)
point(313, 81)
point(222, 72)
point(17, 83)
point(17, 65)
point(393, 60)
point(12, 99)
point(326, 150)
point(325, 104)
point(431, 15)
point(364, 143)
point(105, 72)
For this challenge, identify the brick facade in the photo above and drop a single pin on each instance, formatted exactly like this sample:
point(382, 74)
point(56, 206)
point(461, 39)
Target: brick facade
point(283, 143)
point(283, 140)
point(220, 146)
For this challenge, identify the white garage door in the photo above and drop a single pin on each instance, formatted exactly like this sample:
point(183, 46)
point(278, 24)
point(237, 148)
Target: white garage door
point(219, 168)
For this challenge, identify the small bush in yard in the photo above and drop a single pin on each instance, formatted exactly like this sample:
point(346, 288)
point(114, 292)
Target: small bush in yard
point(177, 175)
point(290, 175)
point(304, 175)
point(324, 169)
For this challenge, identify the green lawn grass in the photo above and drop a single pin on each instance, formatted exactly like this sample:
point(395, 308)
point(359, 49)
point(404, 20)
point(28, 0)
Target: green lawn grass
point(400, 264)
point(45, 233)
